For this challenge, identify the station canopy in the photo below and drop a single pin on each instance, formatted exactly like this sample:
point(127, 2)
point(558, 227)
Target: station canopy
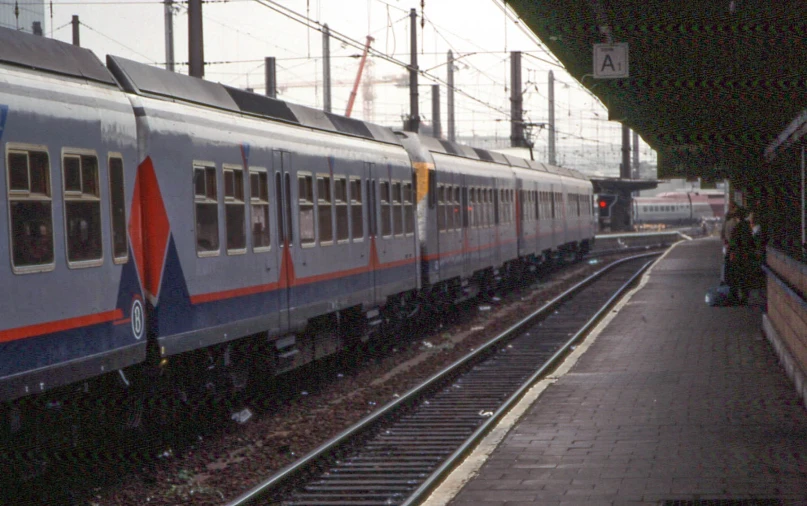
point(711, 83)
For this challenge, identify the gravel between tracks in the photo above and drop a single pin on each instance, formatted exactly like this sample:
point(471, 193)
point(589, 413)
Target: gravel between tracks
point(223, 465)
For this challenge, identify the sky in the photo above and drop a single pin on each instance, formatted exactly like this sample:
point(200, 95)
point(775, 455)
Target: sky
point(239, 34)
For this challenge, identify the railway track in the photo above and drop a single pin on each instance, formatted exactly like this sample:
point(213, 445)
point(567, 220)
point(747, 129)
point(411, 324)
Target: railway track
point(399, 453)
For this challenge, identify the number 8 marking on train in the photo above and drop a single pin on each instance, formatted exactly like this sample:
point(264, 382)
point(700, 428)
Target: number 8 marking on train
point(137, 319)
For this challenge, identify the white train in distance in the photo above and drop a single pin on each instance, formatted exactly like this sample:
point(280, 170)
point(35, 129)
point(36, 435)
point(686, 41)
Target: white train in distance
point(679, 208)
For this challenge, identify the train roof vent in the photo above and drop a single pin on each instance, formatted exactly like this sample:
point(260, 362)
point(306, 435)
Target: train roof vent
point(42, 53)
point(517, 161)
point(148, 79)
point(349, 125)
point(450, 147)
point(261, 104)
point(383, 133)
point(483, 154)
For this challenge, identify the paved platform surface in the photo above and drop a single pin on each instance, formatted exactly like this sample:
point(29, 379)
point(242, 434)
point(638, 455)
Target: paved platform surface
point(673, 400)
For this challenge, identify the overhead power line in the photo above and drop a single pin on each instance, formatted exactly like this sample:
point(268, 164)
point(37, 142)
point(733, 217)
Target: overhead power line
point(316, 25)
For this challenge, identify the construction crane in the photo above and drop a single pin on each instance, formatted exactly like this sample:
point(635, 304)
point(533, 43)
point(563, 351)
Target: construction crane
point(358, 76)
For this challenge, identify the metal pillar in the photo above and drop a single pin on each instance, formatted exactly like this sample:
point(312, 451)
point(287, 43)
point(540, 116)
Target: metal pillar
point(36, 28)
point(414, 114)
point(452, 136)
point(271, 76)
point(326, 68)
point(552, 155)
point(76, 41)
point(169, 35)
point(516, 119)
point(624, 168)
point(635, 155)
point(436, 133)
point(196, 50)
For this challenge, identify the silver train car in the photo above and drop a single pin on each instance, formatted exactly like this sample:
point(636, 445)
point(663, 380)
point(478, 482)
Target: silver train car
point(158, 222)
point(678, 208)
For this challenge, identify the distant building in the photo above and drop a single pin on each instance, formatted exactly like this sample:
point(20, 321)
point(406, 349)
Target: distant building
point(22, 14)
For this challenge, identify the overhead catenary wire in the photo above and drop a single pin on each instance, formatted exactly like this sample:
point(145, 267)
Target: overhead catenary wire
point(85, 25)
point(315, 25)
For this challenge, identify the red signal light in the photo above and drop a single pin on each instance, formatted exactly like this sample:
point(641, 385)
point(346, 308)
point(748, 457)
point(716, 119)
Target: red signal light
point(603, 205)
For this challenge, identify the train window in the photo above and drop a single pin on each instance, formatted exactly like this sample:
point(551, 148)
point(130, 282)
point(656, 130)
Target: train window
point(441, 208)
point(453, 220)
point(474, 218)
point(467, 210)
point(305, 195)
point(356, 203)
point(117, 206)
point(455, 209)
point(207, 210)
point(340, 203)
point(259, 208)
point(523, 202)
point(539, 205)
point(30, 206)
point(485, 204)
point(279, 199)
point(502, 207)
point(552, 196)
point(397, 209)
point(505, 209)
point(234, 209)
point(409, 209)
point(324, 210)
point(386, 209)
point(82, 210)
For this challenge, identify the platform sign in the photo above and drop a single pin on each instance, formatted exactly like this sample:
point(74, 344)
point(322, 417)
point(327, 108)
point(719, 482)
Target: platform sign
point(611, 60)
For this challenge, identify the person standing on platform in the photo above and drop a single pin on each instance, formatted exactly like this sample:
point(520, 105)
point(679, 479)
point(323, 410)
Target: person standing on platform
point(730, 221)
point(741, 259)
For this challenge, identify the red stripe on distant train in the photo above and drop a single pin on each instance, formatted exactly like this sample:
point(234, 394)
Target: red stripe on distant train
point(59, 325)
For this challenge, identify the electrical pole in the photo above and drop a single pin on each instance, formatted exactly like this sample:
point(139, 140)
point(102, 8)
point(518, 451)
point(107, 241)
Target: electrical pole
point(326, 67)
point(636, 155)
point(552, 156)
point(414, 115)
point(196, 49)
point(436, 133)
point(516, 119)
point(169, 35)
point(450, 98)
point(271, 76)
point(76, 41)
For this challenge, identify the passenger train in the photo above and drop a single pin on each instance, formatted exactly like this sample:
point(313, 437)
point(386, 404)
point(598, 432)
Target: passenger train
point(679, 208)
point(163, 228)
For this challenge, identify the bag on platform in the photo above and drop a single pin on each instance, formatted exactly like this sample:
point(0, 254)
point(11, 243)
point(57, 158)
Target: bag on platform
point(718, 296)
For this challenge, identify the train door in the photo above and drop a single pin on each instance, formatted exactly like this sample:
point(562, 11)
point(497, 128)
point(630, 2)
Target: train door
point(284, 199)
point(470, 252)
point(372, 227)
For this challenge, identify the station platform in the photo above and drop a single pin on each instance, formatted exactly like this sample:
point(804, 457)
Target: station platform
point(667, 402)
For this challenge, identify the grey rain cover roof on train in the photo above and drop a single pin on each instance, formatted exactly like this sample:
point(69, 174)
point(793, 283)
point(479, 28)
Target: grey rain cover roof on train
point(42, 53)
point(140, 78)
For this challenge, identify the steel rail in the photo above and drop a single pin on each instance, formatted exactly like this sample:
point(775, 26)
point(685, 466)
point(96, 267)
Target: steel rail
point(290, 472)
point(448, 465)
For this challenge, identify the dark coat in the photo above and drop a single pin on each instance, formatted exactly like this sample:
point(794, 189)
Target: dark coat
point(741, 255)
